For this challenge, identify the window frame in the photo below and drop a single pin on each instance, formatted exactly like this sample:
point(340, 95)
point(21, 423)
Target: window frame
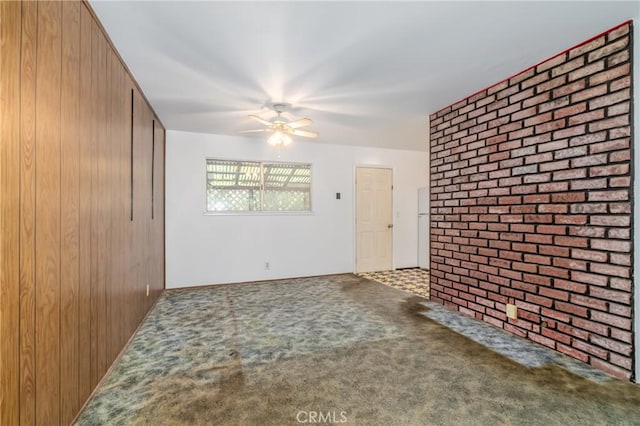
point(262, 163)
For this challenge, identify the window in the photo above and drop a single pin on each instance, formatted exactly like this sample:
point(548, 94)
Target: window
point(249, 186)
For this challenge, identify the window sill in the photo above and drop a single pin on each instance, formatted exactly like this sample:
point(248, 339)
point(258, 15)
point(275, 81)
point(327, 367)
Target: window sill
point(259, 213)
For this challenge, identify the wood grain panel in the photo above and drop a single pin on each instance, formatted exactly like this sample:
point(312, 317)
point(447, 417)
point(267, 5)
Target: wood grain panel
point(70, 220)
point(74, 267)
point(157, 244)
point(9, 210)
point(86, 155)
point(138, 124)
point(48, 197)
point(129, 226)
point(27, 212)
point(95, 202)
point(118, 206)
point(103, 203)
point(146, 247)
point(113, 129)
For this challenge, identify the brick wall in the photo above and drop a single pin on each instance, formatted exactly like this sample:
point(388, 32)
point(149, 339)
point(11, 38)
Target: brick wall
point(531, 203)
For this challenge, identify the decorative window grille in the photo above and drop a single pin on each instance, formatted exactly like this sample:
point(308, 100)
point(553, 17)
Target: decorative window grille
point(249, 186)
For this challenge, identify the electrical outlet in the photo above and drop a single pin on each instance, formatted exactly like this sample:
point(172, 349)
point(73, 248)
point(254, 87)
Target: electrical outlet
point(267, 265)
point(512, 311)
point(147, 290)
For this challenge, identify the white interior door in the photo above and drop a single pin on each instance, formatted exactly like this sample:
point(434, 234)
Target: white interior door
point(374, 219)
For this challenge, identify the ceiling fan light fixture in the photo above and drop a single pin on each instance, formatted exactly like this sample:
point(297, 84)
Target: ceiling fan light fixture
point(282, 129)
point(279, 138)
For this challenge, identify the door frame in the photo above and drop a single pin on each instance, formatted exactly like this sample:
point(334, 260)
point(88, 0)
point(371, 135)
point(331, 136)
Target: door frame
point(354, 209)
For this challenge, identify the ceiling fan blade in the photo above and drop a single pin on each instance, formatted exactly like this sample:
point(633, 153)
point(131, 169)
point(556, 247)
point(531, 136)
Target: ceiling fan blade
point(253, 131)
point(261, 120)
point(300, 123)
point(305, 133)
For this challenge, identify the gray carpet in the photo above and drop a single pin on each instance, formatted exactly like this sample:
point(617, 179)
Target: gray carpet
point(341, 348)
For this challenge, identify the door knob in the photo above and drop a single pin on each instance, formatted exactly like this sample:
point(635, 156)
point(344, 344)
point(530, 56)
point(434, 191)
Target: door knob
point(390, 225)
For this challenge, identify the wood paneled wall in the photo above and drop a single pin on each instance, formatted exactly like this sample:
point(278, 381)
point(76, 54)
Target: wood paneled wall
point(81, 209)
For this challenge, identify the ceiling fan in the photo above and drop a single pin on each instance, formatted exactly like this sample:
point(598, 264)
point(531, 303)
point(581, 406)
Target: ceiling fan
point(281, 128)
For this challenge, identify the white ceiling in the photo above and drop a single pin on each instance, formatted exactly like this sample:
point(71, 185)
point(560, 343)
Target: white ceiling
point(367, 73)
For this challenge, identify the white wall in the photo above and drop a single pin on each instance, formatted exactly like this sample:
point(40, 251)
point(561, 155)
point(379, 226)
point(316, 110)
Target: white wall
point(212, 249)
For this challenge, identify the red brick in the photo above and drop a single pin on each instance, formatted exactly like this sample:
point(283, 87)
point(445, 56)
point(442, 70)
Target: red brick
point(542, 340)
point(623, 336)
point(586, 47)
point(572, 309)
point(554, 272)
point(586, 70)
point(587, 231)
point(550, 63)
point(620, 310)
point(558, 337)
point(568, 66)
point(571, 219)
point(536, 198)
point(571, 286)
point(589, 184)
point(542, 220)
point(552, 229)
point(553, 187)
point(569, 131)
point(568, 197)
point(609, 170)
point(588, 138)
point(620, 361)
point(527, 287)
point(609, 74)
point(585, 118)
point(554, 294)
point(536, 100)
point(556, 315)
point(611, 245)
point(610, 99)
point(587, 278)
point(612, 320)
point(621, 221)
point(555, 165)
point(621, 83)
point(591, 92)
point(569, 110)
point(569, 88)
point(574, 353)
point(620, 259)
point(618, 195)
point(539, 300)
point(620, 208)
point(584, 324)
point(609, 123)
point(538, 239)
point(551, 84)
point(611, 295)
point(619, 233)
point(538, 218)
point(551, 126)
point(619, 32)
point(588, 302)
point(552, 208)
point(590, 349)
point(618, 109)
point(539, 119)
point(580, 334)
point(538, 178)
point(554, 250)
